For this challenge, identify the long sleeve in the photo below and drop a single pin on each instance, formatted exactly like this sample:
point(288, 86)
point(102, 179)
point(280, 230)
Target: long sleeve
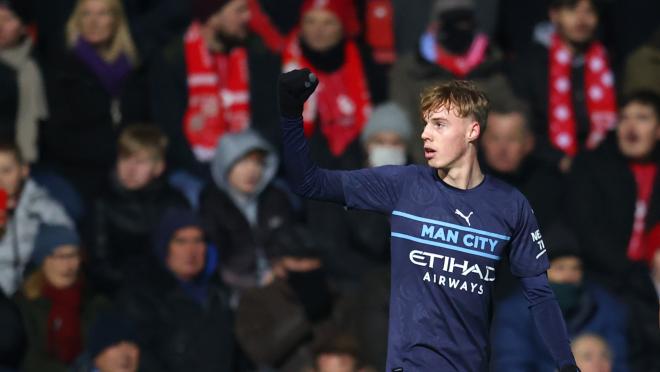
point(306, 178)
point(374, 189)
point(548, 318)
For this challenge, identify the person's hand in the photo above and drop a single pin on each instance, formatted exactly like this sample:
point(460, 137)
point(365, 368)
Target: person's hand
point(294, 88)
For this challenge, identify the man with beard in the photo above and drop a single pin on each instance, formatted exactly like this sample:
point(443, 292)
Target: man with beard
point(569, 83)
point(203, 86)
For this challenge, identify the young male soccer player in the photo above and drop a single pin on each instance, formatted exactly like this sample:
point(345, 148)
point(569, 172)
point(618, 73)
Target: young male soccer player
point(451, 224)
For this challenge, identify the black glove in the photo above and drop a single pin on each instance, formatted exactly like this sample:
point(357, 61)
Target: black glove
point(294, 89)
point(569, 368)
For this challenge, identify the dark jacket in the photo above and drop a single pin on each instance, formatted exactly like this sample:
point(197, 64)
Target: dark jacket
point(80, 138)
point(8, 102)
point(169, 99)
point(518, 347)
point(412, 74)
point(530, 79)
point(541, 184)
point(119, 231)
point(176, 332)
point(275, 331)
point(600, 207)
point(35, 318)
point(13, 340)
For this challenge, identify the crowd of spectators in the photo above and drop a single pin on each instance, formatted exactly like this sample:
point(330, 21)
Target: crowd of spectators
point(146, 222)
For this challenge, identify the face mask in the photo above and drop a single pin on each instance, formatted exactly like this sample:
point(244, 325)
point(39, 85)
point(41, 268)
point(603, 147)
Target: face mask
point(568, 295)
point(457, 30)
point(380, 155)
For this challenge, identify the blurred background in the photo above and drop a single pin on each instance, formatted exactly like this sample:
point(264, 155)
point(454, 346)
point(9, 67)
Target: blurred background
point(146, 223)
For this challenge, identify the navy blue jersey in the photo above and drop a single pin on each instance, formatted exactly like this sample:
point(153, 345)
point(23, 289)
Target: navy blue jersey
point(446, 243)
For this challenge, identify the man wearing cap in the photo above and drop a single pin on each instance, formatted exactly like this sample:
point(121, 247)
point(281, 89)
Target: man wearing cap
point(180, 308)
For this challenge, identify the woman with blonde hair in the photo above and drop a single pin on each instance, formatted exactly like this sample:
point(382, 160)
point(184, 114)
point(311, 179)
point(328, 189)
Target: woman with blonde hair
point(96, 86)
point(55, 306)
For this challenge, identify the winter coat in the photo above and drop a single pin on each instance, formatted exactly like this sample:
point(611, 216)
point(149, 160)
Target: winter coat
point(120, 228)
point(242, 225)
point(8, 102)
point(274, 330)
point(518, 347)
point(34, 207)
point(412, 74)
point(176, 332)
point(600, 208)
point(79, 140)
point(169, 99)
point(13, 340)
point(35, 317)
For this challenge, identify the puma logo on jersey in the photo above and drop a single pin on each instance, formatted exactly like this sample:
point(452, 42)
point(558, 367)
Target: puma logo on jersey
point(466, 218)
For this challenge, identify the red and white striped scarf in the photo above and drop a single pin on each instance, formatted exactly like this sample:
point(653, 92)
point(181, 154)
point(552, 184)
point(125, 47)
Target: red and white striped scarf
point(218, 93)
point(599, 91)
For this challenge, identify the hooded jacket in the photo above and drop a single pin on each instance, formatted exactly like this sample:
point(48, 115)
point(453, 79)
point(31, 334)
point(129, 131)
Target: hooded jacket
point(240, 225)
point(182, 326)
point(35, 206)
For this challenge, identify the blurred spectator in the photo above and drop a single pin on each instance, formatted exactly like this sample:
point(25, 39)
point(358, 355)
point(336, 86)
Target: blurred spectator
point(358, 241)
point(592, 354)
point(93, 88)
point(23, 97)
point(612, 205)
point(277, 324)
point(337, 352)
point(371, 317)
point(569, 84)
point(13, 340)
point(27, 206)
point(655, 271)
point(335, 115)
point(507, 146)
point(181, 309)
point(207, 83)
point(612, 214)
point(452, 48)
point(125, 215)
point(643, 67)
point(111, 346)
point(55, 303)
point(586, 307)
point(242, 207)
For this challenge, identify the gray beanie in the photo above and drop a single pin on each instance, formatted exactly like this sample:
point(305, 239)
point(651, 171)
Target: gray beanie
point(388, 117)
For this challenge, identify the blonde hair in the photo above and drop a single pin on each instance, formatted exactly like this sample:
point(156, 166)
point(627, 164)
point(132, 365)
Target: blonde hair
point(460, 96)
point(122, 42)
point(137, 137)
point(34, 284)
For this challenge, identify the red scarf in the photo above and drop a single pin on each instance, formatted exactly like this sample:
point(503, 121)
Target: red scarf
point(218, 94)
point(645, 176)
point(599, 90)
point(341, 103)
point(379, 26)
point(64, 337)
point(459, 65)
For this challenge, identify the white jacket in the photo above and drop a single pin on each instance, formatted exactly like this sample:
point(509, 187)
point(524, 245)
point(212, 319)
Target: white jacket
point(35, 206)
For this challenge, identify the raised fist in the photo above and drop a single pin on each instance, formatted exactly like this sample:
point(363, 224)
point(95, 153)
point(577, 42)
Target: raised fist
point(294, 88)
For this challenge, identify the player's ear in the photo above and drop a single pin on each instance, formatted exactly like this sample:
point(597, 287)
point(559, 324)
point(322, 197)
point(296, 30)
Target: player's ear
point(474, 131)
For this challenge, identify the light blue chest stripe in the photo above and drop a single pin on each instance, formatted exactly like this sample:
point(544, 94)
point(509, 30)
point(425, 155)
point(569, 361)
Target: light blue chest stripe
point(446, 224)
point(443, 245)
